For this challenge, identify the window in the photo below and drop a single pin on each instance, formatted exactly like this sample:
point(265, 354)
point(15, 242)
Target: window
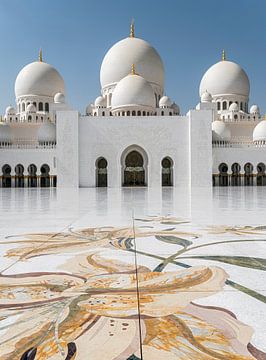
point(103, 114)
point(29, 118)
point(218, 105)
point(224, 105)
point(144, 113)
point(23, 106)
point(162, 113)
point(133, 113)
point(40, 106)
point(46, 107)
point(139, 113)
point(128, 113)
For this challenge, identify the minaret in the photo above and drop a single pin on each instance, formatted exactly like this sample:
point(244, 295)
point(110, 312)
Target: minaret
point(40, 55)
point(132, 29)
point(133, 70)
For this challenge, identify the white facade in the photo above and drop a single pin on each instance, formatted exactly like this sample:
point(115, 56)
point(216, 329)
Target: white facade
point(132, 134)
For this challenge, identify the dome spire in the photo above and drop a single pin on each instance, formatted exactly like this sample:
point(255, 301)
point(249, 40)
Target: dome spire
point(133, 69)
point(40, 55)
point(223, 55)
point(132, 29)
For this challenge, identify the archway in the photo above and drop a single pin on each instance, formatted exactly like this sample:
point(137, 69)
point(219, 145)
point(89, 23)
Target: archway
point(248, 176)
point(236, 177)
point(134, 172)
point(261, 176)
point(6, 177)
point(32, 178)
point(167, 171)
point(19, 175)
point(101, 172)
point(45, 176)
point(223, 175)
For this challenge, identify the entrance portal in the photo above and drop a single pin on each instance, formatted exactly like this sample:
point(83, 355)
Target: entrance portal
point(134, 173)
point(101, 172)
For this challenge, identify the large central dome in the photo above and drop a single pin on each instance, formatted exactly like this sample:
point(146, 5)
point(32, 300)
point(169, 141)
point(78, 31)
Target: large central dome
point(39, 78)
point(122, 55)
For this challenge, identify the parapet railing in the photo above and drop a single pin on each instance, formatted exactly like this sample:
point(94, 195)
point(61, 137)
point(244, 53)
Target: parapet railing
point(44, 145)
point(238, 144)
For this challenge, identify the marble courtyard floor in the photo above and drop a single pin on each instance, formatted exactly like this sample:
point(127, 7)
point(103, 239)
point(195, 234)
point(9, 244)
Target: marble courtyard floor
point(133, 274)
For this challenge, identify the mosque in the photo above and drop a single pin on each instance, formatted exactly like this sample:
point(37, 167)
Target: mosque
point(133, 134)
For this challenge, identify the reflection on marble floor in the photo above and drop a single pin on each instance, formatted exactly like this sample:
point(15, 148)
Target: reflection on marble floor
point(133, 274)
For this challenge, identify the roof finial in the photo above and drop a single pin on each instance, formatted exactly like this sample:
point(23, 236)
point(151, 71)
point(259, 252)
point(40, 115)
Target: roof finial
point(133, 70)
point(132, 29)
point(40, 55)
point(223, 55)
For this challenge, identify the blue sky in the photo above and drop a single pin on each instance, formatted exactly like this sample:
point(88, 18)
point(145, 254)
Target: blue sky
point(189, 35)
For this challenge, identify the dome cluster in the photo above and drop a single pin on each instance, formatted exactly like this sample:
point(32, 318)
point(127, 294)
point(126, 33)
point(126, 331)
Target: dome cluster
point(39, 90)
point(132, 81)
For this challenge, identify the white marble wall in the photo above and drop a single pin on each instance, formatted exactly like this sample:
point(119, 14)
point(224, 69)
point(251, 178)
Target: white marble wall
point(200, 147)
point(109, 137)
point(67, 148)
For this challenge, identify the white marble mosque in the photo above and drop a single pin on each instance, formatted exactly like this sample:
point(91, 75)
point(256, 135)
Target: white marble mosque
point(133, 134)
point(153, 244)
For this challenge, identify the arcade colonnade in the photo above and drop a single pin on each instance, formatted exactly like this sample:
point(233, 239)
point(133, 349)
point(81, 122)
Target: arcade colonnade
point(235, 175)
point(32, 176)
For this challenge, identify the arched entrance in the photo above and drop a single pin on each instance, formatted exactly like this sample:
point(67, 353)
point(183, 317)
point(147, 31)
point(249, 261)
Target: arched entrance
point(32, 179)
point(167, 172)
point(101, 172)
point(134, 171)
point(19, 175)
point(45, 176)
point(261, 176)
point(248, 176)
point(236, 177)
point(223, 175)
point(6, 177)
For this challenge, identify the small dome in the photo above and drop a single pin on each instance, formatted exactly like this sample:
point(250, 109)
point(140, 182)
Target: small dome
point(176, 108)
point(165, 101)
point(5, 133)
point(100, 102)
point(47, 132)
point(225, 78)
point(254, 109)
point(126, 52)
point(59, 98)
point(39, 78)
point(31, 108)
point(220, 131)
point(206, 97)
point(233, 107)
point(10, 110)
point(259, 133)
point(133, 91)
point(89, 109)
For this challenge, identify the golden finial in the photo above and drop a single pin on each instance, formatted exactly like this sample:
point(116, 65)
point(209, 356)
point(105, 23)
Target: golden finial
point(132, 29)
point(40, 55)
point(223, 55)
point(133, 70)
